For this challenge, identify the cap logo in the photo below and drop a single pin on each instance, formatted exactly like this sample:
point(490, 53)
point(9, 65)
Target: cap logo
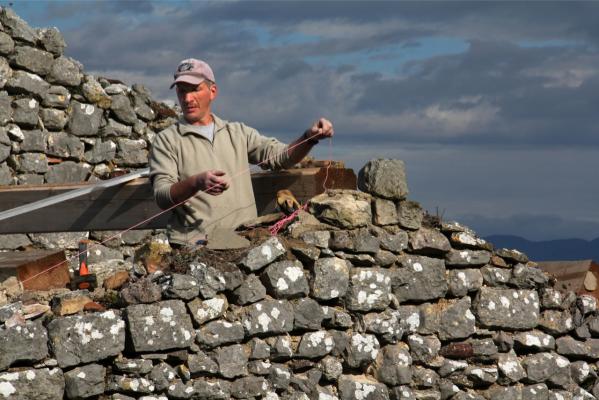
point(185, 67)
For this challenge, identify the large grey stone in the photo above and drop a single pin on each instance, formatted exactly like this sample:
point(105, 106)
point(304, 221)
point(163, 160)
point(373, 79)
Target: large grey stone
point(211, 389)
point(360, 387)
point(369, 289)
point(456, 321)
point(533, 341)
point(161, 326)
point(232, 361)
point(141, 108)
point(201, 363)
point(268, 316)
point(23, 82)
point(286, 279)
point(53, 119)
point(57, 97)
point(572, 348)
point(556, 322)
point(5, 108)
point(65, 71)
point(384, 212)
point(464, 281)
point(67, 172)
point(250, 291)
point(386, 325)
point(25, 112)
point(510, 309)
point(467, 258)
point(393, 365)
point(362, 350)
point(52, 40)
point(248, 387)
point(469, 240)
point(101, 151)
point(84, 119)
point(219, 332)
point(58, 240)
point(131, 153)
point(424, 349)
point(210, 280)
point(181, 286)
point(85, 381)
point(264, 254)
point(384, 178)
point(547, 367)
point(343, 208)
point(315, 344)
point(32, 59)
point(330, 278)
point(87, 338)
point(122, 109)
point(308, 314)
point(27, 384)
point(420, 278)
point(60, 144)
point(509, 367)
point(409, 214)
point(525, 277)
point(203, 311)
point(29, 162)
point(4, 152)
point(5, 174)
point(428, 241)
point(23, 343)
point(14, 241)
point(7, 45)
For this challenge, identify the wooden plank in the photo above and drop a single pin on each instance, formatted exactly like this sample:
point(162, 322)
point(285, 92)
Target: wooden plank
point(121, 207)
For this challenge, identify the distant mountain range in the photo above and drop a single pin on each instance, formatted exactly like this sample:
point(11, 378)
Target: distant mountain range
point(563, 249)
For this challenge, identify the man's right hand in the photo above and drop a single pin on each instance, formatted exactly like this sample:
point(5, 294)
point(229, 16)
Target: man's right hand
point(211, 182)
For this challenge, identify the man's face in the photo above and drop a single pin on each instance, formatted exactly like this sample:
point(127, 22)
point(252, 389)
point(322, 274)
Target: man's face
point(195, 101)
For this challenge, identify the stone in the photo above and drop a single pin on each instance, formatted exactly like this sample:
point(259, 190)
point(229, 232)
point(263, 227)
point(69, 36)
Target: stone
point(424, 378)
point(160, 326)
point(384, 212)
point(52, 40)
point(280, 347)
point(497, 277)
point(200, 363)
point(100, 152)
point(504, 308)
point(85, 381)
point(53, 119)
point(420, 278)
point(29, 162)
point(331, 368)
point(16, 27)
point(31, 59)
point(384, 178)
point(262, 255)
point(142, 110)
point(286, 279)
point(343, 208)
point(23, 343)
point(131, 153)
point(556, 322)
point(94, 92)
point(212, 389)
point(14, 241)
point(464, 281)
point(581, 372)
point(181, 286)
point(360, 387)
point(44, 383)
point(219, 332)
point(133, 366)
point(248, 387)
point(386, 325)
point(5, 176)
point(232, 361)
point(58, 240)
point(250, 291)
point(316, 238)
point(59, 144)
point(67, 172)
point(57, 97)
point(409, 214)
point(203, 311)
point(467, 258)
point(427, 241)
point(84, 119)
point(470, 241)
point(26, 83)
point(330, 278)
point(7, 45)
point(362, 350)
point(512, 255)
point(132, 385)
point(586, 304)
point(268, 316)
point(25, 112)
point(210, 280)
point(455, 320)
point(70, 302)
point(533, 341)
point(5, 108)
point(162, 376)
point(547, 367)
point(259, 349)
point(308, 314)
point(65, 71)
point(393, 365)
point(369, 289)
point(91, 337)
point(510, 369)
point(524, 277)
point(315, 344)
point(122, 109)
point(424, 349)
point(572, 348)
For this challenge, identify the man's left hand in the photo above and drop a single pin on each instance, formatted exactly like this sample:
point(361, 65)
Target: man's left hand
point(321, 129)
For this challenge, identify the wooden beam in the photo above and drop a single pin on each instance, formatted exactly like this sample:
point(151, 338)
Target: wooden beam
point(36, 269)
point(120, 207)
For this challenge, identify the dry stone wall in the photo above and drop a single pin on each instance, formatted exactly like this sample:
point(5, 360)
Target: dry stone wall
point(362, 298)
point(61, 125)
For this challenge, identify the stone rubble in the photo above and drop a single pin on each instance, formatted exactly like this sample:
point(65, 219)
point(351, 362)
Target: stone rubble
point(375, 301)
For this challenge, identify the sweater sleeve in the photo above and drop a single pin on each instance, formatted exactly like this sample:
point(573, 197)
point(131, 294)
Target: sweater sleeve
point(269, 152)
point(163, 169)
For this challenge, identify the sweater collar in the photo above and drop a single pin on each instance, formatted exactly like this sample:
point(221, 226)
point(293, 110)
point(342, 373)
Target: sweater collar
point(184, 126)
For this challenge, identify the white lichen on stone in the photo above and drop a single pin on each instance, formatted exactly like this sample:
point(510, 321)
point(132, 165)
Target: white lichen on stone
point(166, 314)
point(263, 322)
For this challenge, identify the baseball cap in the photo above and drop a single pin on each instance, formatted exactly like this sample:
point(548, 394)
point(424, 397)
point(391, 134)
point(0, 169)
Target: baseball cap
point(193, 71)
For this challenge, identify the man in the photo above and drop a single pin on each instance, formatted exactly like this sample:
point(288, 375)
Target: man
point(204, 159)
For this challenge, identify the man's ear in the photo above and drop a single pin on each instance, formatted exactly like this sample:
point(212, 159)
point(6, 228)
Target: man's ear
point(213, 91)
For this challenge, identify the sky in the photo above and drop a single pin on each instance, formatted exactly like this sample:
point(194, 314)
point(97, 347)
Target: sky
point(493, 106)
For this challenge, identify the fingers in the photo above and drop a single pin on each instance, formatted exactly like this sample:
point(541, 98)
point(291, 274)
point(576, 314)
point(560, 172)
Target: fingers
point(322, 128)
point(216, 183)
